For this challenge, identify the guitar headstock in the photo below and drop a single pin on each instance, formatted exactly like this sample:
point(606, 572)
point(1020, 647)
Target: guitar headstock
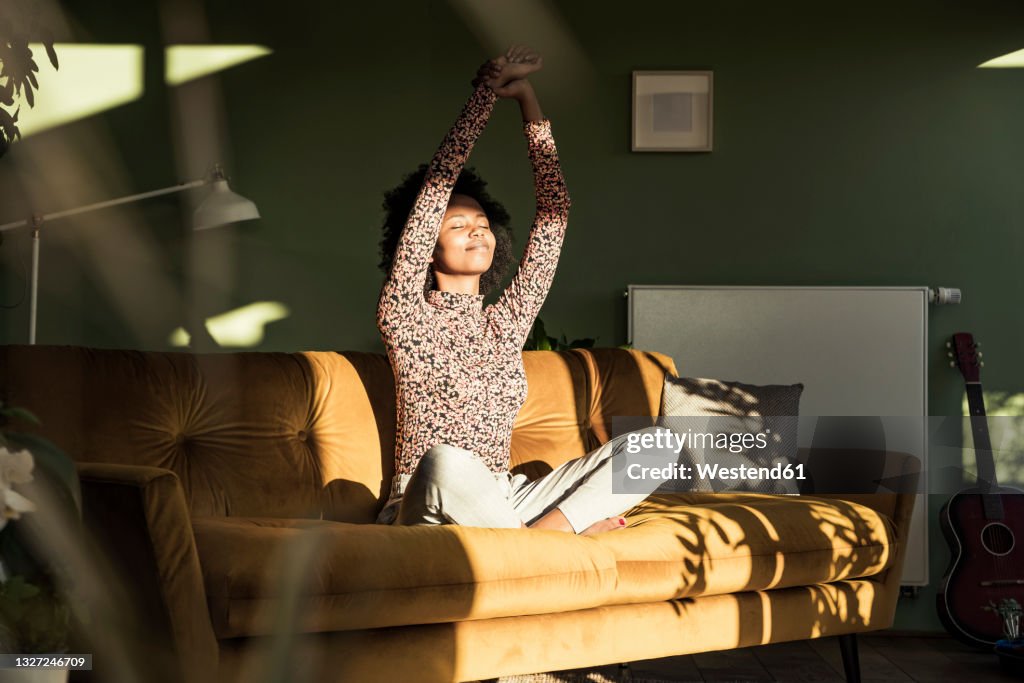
point(965, 355)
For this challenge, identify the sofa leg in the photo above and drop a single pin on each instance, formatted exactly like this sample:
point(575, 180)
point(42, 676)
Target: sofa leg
point(851, 660)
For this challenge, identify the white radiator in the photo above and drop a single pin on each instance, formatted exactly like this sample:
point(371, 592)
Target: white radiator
point(857, 350)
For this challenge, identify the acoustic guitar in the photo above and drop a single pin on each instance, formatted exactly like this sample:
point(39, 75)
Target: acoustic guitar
point(984, 526)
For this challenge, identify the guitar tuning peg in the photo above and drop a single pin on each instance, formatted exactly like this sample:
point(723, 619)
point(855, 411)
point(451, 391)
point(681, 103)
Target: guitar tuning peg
point(949, 345)
point(977, 345)
point(980, 354)
point(982, 364)
point(952, 364)
point(949, 354)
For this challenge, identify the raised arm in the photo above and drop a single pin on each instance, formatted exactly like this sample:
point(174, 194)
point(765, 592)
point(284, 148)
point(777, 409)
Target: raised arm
point(402, 294)
point(525, 294)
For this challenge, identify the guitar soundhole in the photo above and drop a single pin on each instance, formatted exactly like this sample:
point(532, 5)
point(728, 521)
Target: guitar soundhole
point(997, 539)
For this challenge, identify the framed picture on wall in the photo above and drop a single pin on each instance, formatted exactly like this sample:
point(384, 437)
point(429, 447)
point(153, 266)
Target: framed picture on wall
point(672, 111)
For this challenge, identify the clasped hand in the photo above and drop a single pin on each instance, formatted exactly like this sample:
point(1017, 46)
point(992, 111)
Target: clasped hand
point(506, 74)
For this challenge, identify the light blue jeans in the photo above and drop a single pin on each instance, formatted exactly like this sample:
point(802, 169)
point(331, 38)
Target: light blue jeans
point(453, 486)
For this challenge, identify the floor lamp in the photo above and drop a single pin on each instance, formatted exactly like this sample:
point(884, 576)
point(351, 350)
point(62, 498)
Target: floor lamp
point(221, 207)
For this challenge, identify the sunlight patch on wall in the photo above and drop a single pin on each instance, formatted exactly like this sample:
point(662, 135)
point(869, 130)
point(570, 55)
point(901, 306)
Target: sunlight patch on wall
point(91, 79)
point(189, 62)
point(244, 326)
point(94, 78)
point(1000, 404)
point(241, 327)
point(179, 338)
point(1012, 60)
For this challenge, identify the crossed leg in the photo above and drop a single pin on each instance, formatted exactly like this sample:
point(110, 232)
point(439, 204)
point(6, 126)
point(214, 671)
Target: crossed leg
point(453, 485)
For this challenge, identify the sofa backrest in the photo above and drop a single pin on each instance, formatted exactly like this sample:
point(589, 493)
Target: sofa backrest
point(296, 434)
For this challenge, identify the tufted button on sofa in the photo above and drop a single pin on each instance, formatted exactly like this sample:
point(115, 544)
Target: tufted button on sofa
point(230, 500)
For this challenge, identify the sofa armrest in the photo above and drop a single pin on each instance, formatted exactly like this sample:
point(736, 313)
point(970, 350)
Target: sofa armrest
point(897, 506)
point(138, 517)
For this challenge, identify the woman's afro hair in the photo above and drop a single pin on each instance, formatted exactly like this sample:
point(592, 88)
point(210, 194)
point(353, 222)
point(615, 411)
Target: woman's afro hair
point(398, 204)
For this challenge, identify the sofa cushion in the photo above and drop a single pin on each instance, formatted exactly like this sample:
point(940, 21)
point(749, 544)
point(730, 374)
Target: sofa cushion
point(353, 576)
point(690, 544)
point(713, 406)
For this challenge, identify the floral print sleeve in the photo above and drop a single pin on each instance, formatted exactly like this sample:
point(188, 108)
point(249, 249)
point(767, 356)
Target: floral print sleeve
point(522, 299)
point(401, 297)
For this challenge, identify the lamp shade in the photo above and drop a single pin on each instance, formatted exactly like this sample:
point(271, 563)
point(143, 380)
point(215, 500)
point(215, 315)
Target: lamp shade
point(222, 207)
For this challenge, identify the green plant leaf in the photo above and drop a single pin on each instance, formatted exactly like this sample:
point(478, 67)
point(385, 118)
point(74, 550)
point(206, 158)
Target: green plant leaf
point(36, 618)
point(538, 329)
point(17, 589)
point(539, 340)
point(21, 414)
point(537, 334)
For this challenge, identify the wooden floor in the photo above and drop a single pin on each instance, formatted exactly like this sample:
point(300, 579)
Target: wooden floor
point(882, 658)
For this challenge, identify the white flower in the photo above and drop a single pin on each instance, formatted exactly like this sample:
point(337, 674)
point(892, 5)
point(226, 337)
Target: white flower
point(14, 504)
point(15, 468)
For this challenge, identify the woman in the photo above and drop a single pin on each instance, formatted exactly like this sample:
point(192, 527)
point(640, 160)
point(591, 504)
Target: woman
point(458, 366)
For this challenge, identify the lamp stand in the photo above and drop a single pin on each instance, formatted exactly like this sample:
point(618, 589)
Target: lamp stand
point(229, 208)
point(34, 296)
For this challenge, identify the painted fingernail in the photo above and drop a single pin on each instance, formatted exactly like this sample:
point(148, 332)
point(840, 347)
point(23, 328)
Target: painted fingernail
point(622, 522)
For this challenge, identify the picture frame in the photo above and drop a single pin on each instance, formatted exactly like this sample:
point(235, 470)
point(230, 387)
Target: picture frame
point(673, 111)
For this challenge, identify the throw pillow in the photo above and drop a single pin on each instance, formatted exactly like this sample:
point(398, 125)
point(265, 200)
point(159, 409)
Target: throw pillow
point(725, 425)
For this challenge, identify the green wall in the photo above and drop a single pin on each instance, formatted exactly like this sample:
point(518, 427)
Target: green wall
point(855, 144)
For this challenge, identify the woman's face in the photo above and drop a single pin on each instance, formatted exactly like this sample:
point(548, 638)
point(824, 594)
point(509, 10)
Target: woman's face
point(465, 245)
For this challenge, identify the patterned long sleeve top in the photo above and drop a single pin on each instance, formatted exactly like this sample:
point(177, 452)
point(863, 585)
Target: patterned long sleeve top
point(459, 376)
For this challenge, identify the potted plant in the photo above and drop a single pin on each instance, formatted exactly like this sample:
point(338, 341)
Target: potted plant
point(539, 340)
point(35, 587)
point(1009, 611)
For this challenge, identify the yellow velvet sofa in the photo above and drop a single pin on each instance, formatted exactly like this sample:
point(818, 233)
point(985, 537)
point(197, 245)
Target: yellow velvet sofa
point(233, 497)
